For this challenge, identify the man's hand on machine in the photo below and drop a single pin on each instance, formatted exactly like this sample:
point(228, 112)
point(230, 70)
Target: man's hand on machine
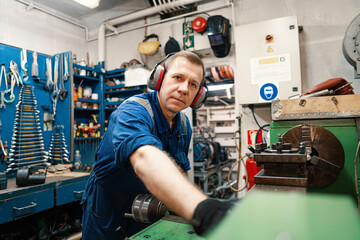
point(209, 213)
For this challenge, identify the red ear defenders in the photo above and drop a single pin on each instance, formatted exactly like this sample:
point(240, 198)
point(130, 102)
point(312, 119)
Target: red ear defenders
point(157, 76)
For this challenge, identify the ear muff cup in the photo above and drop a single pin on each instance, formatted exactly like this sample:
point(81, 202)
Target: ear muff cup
point(156, 77)
point(200, 98)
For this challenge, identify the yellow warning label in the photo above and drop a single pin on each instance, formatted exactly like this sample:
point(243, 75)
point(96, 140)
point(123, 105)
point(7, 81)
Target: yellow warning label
point(268, 60)
point(269, 49)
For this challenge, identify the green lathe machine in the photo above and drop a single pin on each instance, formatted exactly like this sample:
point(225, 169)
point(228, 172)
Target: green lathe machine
point(313, 147)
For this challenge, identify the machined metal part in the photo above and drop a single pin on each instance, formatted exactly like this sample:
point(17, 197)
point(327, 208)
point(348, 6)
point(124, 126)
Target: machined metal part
point(24, 177)
point(351, 42)
point(147, 209)
point(324, 145)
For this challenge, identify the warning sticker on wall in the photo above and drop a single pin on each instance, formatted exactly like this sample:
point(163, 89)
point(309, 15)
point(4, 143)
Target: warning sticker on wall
point(268, 92)
point(251, 134)
point(270, 69)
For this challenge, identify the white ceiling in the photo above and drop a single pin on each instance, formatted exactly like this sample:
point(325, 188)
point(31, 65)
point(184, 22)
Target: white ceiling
point(92, 18)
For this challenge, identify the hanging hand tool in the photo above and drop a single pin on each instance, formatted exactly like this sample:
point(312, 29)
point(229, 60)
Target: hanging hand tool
point(11, 90)
point(49, 82)
point(15, 72)
point(55, 94)
point(66, 66)
point(2, 97)
point(2, 93)
point(63, 92)
point(2, 148)
point(3, 73)
point(24, 66)
point(35, 66)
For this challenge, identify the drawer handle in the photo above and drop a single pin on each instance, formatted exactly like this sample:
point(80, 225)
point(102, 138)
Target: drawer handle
point(78, 194)
point(20, 211)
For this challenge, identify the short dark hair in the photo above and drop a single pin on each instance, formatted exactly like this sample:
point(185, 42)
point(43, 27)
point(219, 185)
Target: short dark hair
point(190, 56)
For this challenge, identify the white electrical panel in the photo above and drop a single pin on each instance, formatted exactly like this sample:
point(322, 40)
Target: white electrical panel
point(267, 61)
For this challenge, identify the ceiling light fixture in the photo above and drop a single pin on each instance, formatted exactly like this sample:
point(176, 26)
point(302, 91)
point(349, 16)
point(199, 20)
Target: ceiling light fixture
point(89, 3)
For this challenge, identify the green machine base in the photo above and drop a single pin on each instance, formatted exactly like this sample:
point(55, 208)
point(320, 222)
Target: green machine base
point(167, 228)
point(345, 131)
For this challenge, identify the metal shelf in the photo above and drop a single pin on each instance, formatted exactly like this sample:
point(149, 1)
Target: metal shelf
point(87, 109)
point(126, 90)
point(89, 100)
point(88, 138)
point(92, 79)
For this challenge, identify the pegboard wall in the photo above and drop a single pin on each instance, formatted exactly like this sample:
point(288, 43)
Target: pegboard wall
point(43, 97)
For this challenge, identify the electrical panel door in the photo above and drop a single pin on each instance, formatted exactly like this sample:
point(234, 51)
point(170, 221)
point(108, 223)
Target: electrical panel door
point(267, 60)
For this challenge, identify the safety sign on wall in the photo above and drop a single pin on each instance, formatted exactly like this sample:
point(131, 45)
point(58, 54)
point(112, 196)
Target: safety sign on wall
point(188, 35)
point(270, 69)
point(251, 134)
point(268, 92)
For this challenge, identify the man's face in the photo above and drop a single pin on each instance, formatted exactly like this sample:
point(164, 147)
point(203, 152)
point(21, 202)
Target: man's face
point(180, 85)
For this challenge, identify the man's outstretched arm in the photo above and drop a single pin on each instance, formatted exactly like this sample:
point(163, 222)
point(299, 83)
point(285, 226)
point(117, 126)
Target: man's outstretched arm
point(165, 181)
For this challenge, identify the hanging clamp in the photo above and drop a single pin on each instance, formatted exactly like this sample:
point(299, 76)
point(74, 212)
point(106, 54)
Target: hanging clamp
point(15, 72)
point(11, 90)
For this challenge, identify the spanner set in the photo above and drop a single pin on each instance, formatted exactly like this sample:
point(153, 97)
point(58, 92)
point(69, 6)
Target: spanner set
point(27, 143)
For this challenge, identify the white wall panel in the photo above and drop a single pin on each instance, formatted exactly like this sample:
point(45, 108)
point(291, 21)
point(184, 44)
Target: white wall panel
point(38, 31)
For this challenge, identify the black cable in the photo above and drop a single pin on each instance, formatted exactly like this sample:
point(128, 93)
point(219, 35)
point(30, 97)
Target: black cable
point(251, 106)
point(261, 128)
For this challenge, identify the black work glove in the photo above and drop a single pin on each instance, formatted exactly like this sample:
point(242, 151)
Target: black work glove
point(209, 212)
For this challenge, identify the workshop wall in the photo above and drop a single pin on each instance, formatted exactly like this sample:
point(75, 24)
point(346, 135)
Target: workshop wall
point(324, 24)
point(38, 31)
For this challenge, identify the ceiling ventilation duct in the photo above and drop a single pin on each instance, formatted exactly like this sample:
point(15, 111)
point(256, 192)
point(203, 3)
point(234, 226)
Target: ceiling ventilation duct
point(166, 12)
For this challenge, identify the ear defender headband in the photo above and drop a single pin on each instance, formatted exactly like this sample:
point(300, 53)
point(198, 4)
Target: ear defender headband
point(157, 76)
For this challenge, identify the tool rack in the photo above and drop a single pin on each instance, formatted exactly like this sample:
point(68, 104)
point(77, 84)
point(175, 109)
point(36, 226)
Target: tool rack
point(19, 202)
point(43, 98)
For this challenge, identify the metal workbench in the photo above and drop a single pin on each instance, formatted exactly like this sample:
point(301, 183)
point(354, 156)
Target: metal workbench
point(18, 202)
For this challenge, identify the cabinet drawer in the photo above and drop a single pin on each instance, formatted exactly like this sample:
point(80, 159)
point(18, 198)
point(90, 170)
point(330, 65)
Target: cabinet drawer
point(70, 193)
point(18, 207)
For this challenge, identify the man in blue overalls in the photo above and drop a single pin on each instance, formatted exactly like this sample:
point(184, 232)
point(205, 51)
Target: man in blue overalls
point(145, 151)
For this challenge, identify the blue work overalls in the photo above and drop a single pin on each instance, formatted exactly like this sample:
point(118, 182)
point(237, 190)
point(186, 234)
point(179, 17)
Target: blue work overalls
point(113, 184)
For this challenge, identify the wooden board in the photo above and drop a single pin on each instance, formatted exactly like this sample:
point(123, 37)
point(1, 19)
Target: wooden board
point(338, 106)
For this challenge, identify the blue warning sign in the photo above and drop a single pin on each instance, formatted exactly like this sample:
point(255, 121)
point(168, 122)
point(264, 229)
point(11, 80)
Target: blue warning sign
point(268, 91)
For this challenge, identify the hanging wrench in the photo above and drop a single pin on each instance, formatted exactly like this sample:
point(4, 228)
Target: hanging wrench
point(55, 94)
point(2, 97)
point(63, 92)
point(11, 90)
point(35, 66)
point(66, 66)
point(49, 82)
point(24, 65)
